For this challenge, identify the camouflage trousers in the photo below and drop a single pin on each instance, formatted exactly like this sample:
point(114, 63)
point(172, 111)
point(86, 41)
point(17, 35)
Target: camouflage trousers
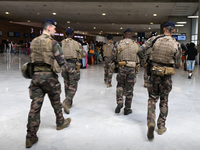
point(160, 87)
point(42, 83)
point(71, 78)
point(126, 79)
point(107, 72)
point(145, 75)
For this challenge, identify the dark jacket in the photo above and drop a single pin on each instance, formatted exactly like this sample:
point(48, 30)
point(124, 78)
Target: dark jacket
point(191, 52)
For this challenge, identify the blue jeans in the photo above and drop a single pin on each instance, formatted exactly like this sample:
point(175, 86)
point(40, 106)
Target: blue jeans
point(83, 62)
point(190, 64)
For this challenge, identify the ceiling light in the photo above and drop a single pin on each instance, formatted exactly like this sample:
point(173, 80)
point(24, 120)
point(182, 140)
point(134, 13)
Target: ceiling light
point(103, 14)
point(68, 21)
point(154, 15)
point(179, 25)
point(94, 27)
point(117, 33)
point(193, 16)
point(99, 32)
point(38, 13)
point(149, 28)
point(151, 22)
point(7, 13)
point(68, 27)
point(121, 28)
point(10, 21)
point(182, 22)
point(113, 23)
point(135, 33)
point(54, 13)
point(28, 21)
point(83, 33)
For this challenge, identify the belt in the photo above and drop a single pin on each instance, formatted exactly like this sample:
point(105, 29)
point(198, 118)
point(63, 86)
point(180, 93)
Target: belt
point(71, 61)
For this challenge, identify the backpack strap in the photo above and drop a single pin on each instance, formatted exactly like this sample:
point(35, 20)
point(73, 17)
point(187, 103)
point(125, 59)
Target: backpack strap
point(153, 42)
point(125, 47)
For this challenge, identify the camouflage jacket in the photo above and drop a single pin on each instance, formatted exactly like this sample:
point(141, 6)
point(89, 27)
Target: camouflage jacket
point(56, 50)
point(177, 49)
point(115, 51)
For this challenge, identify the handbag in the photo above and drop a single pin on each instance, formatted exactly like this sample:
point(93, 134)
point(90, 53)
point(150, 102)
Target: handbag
point(91, 51)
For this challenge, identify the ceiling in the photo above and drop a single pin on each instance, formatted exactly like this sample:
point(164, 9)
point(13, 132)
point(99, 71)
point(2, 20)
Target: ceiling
point(85, 15)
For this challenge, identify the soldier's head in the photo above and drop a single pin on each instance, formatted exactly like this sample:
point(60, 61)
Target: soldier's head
point(169, 27)
point(49, 26)
point(70, 33)
point(128, 33)
point(109, 38)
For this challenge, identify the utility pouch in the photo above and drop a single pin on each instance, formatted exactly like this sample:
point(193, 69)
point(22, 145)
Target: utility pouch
point(131, 64)
point(160, 71)
point(137, 68)
point(146, 65)
point(169, 71)
point(78, 66)
point(112, 66)
point(27, 70)
point(122, 63)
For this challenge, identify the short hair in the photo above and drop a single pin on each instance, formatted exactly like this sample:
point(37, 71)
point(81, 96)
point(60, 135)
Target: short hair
point(169, 29)
point(46, 24)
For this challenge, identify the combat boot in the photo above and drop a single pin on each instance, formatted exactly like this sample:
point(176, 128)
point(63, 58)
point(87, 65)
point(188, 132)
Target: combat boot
point(150, 133)
point(161, 131)
point(66, 108)
point(118, 108)
point(127, 111)
point(109, 85)
point(65, 124)
point(105, 82)
point(29, 143)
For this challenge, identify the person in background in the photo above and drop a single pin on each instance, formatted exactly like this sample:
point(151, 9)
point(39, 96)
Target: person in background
point(107, 50)
point(97, 49)
point(91, 52)
point(191, 52)
point(86, 47)
point(7, 46)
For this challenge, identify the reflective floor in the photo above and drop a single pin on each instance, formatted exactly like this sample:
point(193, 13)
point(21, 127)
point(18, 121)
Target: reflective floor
point(94, 125)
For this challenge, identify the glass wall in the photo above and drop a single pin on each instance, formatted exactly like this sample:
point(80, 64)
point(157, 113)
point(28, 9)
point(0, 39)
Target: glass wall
point(194, 37)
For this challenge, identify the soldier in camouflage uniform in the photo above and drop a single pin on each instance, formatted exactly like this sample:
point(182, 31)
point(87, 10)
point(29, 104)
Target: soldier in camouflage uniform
point(46, 52)
point(126, 53)
point(166, 52)
point(71, 75)
point(107, 49)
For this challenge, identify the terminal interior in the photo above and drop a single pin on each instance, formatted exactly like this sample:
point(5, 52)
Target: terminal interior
point(95, 126)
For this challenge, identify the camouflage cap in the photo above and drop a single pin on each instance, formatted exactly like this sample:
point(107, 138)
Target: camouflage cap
point(128, 30)
point(53, 22)
point(170, 23)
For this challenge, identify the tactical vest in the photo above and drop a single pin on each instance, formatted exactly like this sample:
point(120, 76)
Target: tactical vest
point(107, 48)
point(41, 51)
point(127, 51)
point(163, 50)
point(70, 48)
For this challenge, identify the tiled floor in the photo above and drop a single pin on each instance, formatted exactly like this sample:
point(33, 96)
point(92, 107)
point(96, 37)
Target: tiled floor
point(94, 125)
